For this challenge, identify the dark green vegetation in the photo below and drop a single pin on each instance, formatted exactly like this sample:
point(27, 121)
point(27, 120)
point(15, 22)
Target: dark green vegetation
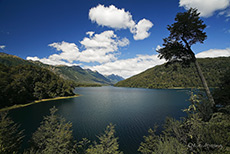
point(204, 130)
point(187, 30)
point(81, 77)
point(25, 83)
point(55, 136)
point(10, 135)
point(175, 76)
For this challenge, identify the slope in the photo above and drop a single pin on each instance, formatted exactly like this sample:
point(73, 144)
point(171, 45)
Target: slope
point(75, 73)
point(114, 78)
point(174, 76)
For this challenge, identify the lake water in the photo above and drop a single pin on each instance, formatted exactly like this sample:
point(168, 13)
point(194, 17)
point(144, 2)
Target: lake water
point(132, 110)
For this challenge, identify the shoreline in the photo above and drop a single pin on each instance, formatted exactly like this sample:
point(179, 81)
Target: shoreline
point(37, 101)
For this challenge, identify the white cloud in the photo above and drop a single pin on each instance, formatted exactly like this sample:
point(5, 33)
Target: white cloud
point(128, 67)
point(111, 17)
point(205, 7)
point(141, 29)
point(2, 47)
point(120, 19)
point(212, 53)
point(70, 51)
point(123, 42)
point(90, 33)
point(158, 47)
point(99, 48)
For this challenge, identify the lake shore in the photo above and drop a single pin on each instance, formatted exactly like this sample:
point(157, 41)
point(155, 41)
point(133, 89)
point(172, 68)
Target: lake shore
point(37, 101)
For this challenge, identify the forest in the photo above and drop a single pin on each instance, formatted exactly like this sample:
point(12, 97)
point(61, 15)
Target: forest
point(25, 83)
point(204, 130)
point(177, 76)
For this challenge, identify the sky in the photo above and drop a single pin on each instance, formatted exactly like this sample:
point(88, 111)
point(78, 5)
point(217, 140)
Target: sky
point(109, 36)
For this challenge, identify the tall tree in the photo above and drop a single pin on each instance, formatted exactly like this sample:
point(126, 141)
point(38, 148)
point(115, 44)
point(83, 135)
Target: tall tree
point(108, 143)
point(54, 135)
point(187, 30)
point(10, 135)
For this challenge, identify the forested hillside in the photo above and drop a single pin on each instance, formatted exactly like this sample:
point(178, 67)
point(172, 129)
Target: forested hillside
point(175, 76)
point(25, 83)
point(81, 77)
point(77, 74)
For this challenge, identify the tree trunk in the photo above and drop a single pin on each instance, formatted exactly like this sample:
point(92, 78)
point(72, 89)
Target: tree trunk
point(207, 91)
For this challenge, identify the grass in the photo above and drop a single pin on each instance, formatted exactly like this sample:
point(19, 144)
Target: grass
point(35, 102)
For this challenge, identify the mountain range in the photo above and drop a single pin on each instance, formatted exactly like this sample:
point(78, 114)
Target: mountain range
point(82, 77)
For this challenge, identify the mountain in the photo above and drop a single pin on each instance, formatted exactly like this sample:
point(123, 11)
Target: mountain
point(114, 78)
point(175, 76)
point(82, 77)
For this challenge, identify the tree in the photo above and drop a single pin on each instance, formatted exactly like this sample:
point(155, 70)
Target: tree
point(155, 144)
point(187, 30)
point(222, 94)
point(108, 143)
point(54, 135)
point(10, 135)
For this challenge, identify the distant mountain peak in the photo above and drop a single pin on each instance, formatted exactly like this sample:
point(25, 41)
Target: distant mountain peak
point(114, 78)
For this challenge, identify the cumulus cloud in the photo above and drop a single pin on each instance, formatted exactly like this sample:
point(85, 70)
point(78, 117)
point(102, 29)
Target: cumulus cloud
point(69, 51)
point(99, 48)
point(205, 7)
point(212, 53)
point(120, 19)
point(111, 17)
point(2, 47)
point(128, 67)
point(141, 29)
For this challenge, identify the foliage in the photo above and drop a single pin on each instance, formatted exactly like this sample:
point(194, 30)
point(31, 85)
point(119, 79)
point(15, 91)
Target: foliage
point(202, 131)
point(25, 83)
point(186, 31)
point(175, 75)
point(222, 94)
point(10, 135)
point(54, 135)
point(154, 144)
point(108, 143)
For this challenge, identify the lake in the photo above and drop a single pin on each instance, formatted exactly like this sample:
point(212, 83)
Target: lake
point(132, 110)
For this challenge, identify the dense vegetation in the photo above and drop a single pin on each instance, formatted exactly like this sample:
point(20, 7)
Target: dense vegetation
point(175, 76)
point(25, 83)
point(54, 136)
point(204, 130)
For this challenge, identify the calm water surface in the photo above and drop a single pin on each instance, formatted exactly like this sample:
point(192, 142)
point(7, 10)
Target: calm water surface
point(132, 110)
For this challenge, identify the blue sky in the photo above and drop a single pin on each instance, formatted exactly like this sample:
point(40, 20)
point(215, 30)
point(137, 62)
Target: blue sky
point(110, 36)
